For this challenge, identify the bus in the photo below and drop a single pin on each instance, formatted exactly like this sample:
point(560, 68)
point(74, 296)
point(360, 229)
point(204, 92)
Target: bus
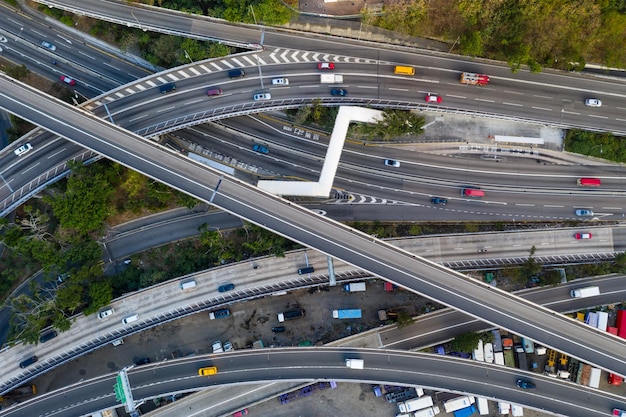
point(472, 192)
point(589, 182)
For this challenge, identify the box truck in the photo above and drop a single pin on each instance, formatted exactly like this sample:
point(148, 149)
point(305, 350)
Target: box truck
point(331, 78)
point(354, 287)
point(355, 363)
point(415, 404)
point(457, 403)
point(585, 292)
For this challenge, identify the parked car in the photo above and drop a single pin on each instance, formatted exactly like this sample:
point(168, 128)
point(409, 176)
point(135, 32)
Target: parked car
point(278, 329)
point(141, 361)
point(522, 383)
point(228, 347)
point(241, 413)
point(339, 92)
point(433, 98)
point(226, 287)
point(584, 212)
point(392, 163)
point(593, 102)
point(219, 314)
point(68, 80)
point(217, 347)
point(49, 46)
point(262, 96)
point(209, 370)
point(583, 235)
point(325, 65)
point(257, 147)
point(439, 200)
point(23, 149)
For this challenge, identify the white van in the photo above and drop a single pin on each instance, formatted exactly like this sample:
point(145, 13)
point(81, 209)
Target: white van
point(130, 319)
point(186, 285)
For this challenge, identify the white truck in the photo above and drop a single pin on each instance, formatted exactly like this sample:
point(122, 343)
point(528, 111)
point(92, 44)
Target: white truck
point(331, 78)
point(458, 403)
point(355, 363)
point(483, 406)
point(415, 404)
point(354, 287)
point(585, 292)
point(427, 412)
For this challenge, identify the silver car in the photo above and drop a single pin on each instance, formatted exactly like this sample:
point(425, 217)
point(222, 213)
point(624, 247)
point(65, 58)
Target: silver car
point(49, 46)
point(262, 96)
point(584, 212)
point(593, 102)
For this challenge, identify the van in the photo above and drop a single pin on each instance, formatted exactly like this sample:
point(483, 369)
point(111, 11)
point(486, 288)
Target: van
point(236, 73)
point(402, 70)
point(472, 192)
point(130, 319)
point(307, 270)
point(166, 88)
point(117, 342)
point(46, 336)
point(28, 362)
point(187, 284)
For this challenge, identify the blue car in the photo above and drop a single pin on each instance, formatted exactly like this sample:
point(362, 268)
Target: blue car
point(339, 92)
point(439, 200)
point(584, 212)
point(522, 383)
point(257, 147)
point(226, 287)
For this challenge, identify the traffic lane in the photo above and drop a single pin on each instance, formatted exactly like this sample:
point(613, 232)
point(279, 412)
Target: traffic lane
point(402, 368)
point(302, 226)
point(512, 314)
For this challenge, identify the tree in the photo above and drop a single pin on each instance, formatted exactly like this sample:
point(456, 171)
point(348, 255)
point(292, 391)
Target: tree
point(466, 342)
point(19, 72)
point(394, 123)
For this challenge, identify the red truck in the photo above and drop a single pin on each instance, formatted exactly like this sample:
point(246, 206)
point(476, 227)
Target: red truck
point(474, 79)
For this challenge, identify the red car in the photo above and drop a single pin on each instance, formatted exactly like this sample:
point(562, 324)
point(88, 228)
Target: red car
point(325, 65)
point(67, 80)
point(433, 98)
point(241, 413)
point(583, 235)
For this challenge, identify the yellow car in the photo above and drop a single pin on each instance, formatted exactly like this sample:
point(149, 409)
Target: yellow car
point(211, 370)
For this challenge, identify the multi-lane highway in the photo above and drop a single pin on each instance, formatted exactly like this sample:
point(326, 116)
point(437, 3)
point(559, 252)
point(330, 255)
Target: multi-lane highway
point(312, 230)
point(300, 364)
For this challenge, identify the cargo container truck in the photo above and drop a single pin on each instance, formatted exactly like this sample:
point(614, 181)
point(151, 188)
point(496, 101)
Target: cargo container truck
point(354, 287)
point(427, 412)
point(290, 315)
point(465, 412)
point(331, 78)
point(483, 406)
point(355, 363)
point(585, 292)
point(457, 403)
point(474, 79)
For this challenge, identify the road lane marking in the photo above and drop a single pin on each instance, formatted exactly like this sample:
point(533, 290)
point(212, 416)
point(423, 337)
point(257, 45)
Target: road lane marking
point(570, 112)
point(546, 97)
point(512, 104)
point(541, 108)
point(514, 92)
point(524, 205)
point(56, 153)
point(399, 89)
point(166, 109)
point(599, 117)
point(455, 96)
point(553, 205)
point(138, 117)
point(484, 99)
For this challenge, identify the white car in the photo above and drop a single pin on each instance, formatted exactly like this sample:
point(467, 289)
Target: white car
point(280, 81)
point(217, 347)
point(105, 313)
point(593, 102)
point(228, 347)
point(392, 163)
point(23, 149)
point(262, 96)
point(49, 46)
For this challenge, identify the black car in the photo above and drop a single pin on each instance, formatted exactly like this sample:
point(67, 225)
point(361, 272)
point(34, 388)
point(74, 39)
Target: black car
point(28, 361)
point(522, 383)
point(141, 361)
point(278, 329)
point(439, 200)
point(50, 334)
point(226, 287)
point(339, 92)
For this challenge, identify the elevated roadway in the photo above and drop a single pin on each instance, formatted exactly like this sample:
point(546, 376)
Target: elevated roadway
point(300, 364)
point(448, 287)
